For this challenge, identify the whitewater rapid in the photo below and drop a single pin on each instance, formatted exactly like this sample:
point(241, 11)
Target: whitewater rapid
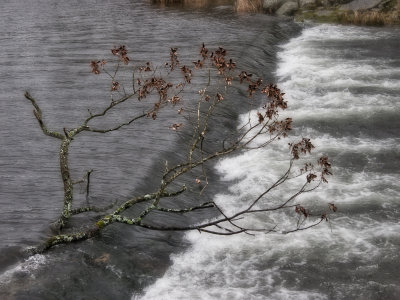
point(342, 85)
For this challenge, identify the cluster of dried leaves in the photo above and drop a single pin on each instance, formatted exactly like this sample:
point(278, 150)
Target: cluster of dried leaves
point(154, 86)
point(225, 68)
point(169, 93)
point(121, 53)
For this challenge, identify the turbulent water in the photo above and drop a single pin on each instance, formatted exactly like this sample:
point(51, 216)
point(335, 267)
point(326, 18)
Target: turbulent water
point(342, 85)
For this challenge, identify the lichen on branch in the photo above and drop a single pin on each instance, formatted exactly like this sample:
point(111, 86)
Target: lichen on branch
point(156, 88)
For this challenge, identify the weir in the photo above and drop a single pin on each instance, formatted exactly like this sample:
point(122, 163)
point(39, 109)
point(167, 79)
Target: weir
point(342, 84)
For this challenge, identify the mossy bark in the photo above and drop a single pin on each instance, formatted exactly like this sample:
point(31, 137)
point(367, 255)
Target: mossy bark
point(68, 185)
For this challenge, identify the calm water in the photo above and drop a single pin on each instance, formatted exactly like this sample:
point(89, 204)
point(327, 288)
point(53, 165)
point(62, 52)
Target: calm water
point(46, 49)
point(343, 86)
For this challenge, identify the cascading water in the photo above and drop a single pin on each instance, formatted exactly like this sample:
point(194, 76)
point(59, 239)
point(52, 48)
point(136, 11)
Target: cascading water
point(342, 85)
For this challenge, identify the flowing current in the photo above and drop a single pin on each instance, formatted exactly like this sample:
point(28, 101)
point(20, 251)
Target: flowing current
point(342, 85)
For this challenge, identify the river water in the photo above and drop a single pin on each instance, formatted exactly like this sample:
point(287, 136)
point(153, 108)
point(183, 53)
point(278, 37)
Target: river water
point(342, 84)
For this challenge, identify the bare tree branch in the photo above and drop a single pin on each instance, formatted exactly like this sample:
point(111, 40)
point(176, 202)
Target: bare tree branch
point(93, 208)
point(117, 127)
point(149, 84)
point(185, 210)
point(38, 114)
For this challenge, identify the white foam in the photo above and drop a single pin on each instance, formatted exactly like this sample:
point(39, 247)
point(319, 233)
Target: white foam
point(26, 267)
point(256, 267)
point(317, 80)
point(342, 33)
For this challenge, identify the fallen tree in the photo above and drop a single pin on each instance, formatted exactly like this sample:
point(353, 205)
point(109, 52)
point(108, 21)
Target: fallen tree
point(154, 87)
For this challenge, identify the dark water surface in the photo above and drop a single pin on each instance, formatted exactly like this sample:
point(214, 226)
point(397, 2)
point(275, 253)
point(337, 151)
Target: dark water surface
point(46, 47)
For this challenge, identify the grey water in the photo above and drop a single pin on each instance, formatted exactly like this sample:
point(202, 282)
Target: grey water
point(46, 49)
point(342, 84)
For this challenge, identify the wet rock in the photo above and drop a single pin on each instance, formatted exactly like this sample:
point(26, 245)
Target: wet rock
point(325, 2)
point(360, 5)
point(288, 9)
point(273, 5)
point(337, 2)
point(308, 4)
point(332, 3)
